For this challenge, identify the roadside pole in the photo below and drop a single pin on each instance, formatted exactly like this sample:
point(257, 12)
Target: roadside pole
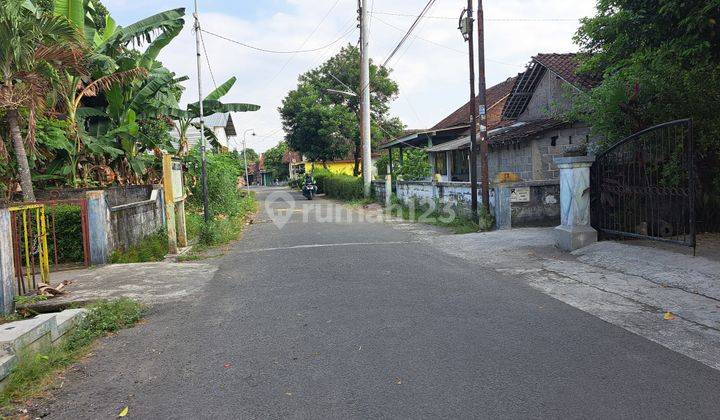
point(466, 28)
point(365, 99)
point(483, 111)
point(169, 205)
point(247, 176)
point(206, 207)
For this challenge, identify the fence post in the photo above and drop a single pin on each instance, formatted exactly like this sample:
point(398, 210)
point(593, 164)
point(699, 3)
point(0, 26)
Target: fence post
point(388, 188)
point(574, 231)
point(169, 204)
point(7, 266)
point(503, 207)
point(98, 226)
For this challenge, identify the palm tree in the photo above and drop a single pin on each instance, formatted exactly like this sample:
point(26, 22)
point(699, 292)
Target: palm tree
point(35, 46)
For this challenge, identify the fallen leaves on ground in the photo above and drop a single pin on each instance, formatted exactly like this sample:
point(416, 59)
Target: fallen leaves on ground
point(124, 412)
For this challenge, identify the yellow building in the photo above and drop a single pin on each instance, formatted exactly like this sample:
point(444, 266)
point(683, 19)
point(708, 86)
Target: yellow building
point(337, 167)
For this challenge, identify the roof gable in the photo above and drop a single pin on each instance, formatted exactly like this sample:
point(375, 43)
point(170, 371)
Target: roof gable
point(563, 66)
point(495, 96)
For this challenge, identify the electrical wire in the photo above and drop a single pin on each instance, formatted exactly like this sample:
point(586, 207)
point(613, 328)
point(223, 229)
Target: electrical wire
point(388, 13)
point(252, 47)
point(207, 58)
point(407, 34)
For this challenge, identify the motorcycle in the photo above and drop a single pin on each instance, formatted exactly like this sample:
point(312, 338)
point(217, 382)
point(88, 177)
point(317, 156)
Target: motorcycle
point(309, 190)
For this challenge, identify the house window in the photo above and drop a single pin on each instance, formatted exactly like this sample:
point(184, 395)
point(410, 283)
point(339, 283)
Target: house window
point(553, 141)
point(569, 139)
point(461, 165)
point(441, 163)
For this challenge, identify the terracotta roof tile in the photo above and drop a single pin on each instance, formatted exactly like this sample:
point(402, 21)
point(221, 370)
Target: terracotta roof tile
point(495, 96)
point(565, 66)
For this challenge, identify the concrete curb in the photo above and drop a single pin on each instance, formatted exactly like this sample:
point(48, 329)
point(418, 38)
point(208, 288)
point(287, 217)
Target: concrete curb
point(33, 335)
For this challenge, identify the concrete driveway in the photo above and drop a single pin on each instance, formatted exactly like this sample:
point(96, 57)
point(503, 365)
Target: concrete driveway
point(330, 318)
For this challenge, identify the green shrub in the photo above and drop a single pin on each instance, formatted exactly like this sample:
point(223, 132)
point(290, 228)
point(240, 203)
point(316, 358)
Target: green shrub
point(340, 186)
point(29, 376)
point(223, 172)
point(68, 233)
point(152, 248)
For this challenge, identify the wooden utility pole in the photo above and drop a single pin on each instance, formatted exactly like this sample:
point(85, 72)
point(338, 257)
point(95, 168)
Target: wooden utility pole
point(473, 110)
point(365, 99)
point(483, 110)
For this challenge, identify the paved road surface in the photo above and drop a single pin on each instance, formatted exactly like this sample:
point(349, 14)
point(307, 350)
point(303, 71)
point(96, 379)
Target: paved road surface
point(340, 320)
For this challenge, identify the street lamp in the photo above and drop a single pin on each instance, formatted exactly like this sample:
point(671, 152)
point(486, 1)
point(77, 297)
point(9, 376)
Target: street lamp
point(247, 177)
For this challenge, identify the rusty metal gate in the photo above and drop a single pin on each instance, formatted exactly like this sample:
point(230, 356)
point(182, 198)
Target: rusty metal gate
point(644, 186)
point(36, 242)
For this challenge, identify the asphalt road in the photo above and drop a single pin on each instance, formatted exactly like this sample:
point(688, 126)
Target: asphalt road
point(355, 319)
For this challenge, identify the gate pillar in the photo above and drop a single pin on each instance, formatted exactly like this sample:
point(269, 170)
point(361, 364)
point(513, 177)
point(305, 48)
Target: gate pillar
point(7, 265)
point(574, 231)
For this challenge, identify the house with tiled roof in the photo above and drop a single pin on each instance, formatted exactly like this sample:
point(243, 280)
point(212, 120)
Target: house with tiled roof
point(526, 124)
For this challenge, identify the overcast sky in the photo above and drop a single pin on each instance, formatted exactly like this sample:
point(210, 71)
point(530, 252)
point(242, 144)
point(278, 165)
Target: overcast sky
point(431, 68)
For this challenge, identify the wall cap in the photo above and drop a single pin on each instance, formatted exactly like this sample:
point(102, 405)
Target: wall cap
point(574, 160)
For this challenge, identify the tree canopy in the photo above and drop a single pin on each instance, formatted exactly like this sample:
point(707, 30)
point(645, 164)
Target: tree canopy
point(324, 125)
point(274, 161)
point(657, 61)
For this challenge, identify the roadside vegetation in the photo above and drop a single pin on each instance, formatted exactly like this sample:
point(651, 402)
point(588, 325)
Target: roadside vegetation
point(230, 204)
point(151, 248)
point(437, 215)
point(34, 373)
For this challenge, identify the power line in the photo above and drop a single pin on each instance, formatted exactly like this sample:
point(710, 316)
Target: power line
point(389, 13)
point(407, 34)
point(279, 51)
point(419, 37)
point(207, 58)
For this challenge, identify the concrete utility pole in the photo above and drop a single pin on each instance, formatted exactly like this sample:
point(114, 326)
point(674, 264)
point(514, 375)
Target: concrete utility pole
point(206, 207)
point(247, 176)
point(365, 99)
point(483, 110)
point(466, 28)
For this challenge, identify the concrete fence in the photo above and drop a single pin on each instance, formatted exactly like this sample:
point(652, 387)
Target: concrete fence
point(121, 218)
point(520, 204)
point(118, 217)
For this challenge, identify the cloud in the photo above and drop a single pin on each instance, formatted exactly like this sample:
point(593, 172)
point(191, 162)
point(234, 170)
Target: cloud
point(431, 69)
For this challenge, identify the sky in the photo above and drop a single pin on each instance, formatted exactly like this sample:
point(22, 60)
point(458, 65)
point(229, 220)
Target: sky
point(431, 68)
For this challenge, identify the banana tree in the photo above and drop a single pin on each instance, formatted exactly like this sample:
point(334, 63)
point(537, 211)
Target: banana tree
point(108, 43)
point(211, 105)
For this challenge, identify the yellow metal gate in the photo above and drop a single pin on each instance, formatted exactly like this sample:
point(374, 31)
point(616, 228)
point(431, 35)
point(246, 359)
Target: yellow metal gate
point(30, 247)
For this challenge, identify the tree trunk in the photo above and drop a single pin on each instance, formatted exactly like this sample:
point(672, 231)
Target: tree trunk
point(21, 156)
point(356, 155)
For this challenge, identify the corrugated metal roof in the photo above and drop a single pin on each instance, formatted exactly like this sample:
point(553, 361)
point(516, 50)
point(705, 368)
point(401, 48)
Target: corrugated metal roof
point(460, 143)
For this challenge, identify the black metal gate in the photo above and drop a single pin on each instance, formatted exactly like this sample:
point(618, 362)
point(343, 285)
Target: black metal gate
point(644, 186)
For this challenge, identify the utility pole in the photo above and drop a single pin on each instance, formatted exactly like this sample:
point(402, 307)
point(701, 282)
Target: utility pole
point(247, 176)
point(206, 207)
point(483, 110)
point(365, 99)
point(466, 28)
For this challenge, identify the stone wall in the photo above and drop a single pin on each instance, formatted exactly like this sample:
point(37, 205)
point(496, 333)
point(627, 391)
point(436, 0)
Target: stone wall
point(543, 209)
point(131, 222)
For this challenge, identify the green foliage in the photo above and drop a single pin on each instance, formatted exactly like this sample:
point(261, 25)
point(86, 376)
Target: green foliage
point(222, 229)
point(68, 233)
point(436, 214)
point(274, 161)
point(414, 167)
point(323, 125)
point(152, 248)
point(339, 186)
point(657, 62)
point(223, 172)
point(33, 373)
